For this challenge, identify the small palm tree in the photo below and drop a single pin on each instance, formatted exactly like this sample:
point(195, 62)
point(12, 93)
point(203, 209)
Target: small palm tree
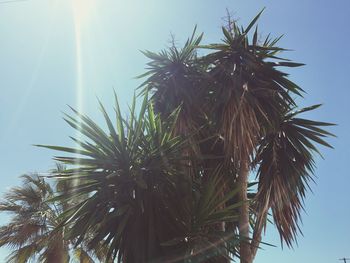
point(144, 200)
point(32, 232)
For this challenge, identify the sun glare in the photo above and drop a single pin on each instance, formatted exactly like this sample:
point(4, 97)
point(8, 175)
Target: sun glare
point(82, 9)
point(81, 15)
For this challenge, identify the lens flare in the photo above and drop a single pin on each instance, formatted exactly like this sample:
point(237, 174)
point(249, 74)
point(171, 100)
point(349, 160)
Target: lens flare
point(81, 13)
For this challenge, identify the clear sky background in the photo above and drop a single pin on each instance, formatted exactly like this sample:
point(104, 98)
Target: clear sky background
point(48, 59)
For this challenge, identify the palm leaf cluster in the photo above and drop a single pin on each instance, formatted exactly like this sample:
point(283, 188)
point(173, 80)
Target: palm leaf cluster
point(142, 204)
point(174, 74)
point(33, 232)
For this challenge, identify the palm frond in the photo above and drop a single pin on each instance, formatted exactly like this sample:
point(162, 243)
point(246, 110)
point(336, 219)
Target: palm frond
point(285, 162)
point(123, 172)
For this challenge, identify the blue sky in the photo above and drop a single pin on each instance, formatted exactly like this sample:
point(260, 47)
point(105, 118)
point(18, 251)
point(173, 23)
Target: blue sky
point(40, 54)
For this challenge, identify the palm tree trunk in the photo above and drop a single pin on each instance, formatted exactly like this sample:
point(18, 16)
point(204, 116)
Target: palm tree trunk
point(223, 229)
point(243, 224)
point(261, 218)
point(59, 252)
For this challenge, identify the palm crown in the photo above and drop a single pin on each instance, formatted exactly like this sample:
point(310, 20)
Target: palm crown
point(142, 204)
point(33, 232)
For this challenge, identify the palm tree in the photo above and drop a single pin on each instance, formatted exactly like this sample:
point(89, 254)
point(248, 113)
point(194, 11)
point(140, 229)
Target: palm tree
point(32, 232)
point(247, 108)
point(173, 180)
point(141, 202)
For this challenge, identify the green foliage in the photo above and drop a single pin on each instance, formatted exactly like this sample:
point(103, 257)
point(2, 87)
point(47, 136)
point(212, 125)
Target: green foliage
point(245, 102)
point(162, 185)
point(33, 233)
point(140, 197)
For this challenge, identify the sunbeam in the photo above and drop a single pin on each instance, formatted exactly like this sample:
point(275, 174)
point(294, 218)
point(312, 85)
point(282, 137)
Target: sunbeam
point(79, 16)
point(81, 12)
